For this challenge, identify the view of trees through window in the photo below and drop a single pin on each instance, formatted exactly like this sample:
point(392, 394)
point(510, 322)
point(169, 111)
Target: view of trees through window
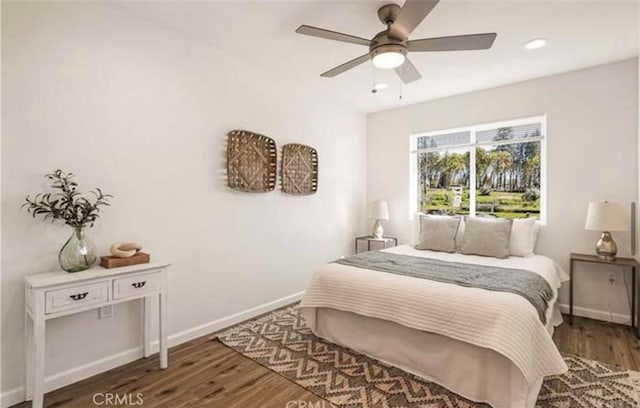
point(507, 172)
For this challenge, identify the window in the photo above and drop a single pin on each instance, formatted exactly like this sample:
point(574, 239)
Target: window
point(492, 170)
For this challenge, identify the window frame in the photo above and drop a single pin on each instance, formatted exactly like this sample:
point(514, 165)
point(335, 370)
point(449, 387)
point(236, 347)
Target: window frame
point(472, 145)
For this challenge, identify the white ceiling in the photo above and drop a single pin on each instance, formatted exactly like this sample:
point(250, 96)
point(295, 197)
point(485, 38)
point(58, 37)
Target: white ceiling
point(579, 34)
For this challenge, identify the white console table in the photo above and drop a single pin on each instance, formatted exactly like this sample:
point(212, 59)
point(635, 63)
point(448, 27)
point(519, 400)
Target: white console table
point(57, 294)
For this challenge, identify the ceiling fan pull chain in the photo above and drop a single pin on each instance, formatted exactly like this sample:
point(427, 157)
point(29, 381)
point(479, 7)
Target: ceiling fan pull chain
point(374, 74)
point(373, 85)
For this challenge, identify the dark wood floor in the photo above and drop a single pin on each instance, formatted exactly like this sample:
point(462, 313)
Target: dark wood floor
point(606, 342)
point(205, 373)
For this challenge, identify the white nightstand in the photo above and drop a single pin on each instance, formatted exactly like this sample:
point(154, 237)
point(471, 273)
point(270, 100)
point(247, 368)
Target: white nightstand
point(57, 294)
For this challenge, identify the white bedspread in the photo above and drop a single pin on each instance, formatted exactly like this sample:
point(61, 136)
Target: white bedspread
point(500, 321)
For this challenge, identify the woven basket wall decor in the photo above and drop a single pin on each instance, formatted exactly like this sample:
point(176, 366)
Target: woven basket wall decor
point(299, 169)
point(251, 162)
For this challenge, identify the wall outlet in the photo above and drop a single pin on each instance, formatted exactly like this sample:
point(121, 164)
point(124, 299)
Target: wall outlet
point(612, 278)
point(105, 312)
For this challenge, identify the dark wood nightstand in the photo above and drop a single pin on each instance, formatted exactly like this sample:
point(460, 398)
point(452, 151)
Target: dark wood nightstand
point(622, 262)
point(371, 238)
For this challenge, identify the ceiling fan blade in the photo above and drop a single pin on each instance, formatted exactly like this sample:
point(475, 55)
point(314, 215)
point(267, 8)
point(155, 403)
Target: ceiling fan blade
point(408, 72)
point(454, 43)
point(332, 35)
point(412, 14)
point(346, 66)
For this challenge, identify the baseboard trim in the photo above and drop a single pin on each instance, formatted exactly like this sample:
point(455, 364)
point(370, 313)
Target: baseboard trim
point(597, 314)
point(12, 397)
point(64, 378)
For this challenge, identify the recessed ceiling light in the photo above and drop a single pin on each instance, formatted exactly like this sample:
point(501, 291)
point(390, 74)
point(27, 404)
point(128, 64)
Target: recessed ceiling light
point(380, 86)
point(534, 44)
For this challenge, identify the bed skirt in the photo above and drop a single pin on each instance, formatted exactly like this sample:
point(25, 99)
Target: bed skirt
point(476, 373)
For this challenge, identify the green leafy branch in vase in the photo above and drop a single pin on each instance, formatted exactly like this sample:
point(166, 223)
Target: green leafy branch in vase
point(67, 204)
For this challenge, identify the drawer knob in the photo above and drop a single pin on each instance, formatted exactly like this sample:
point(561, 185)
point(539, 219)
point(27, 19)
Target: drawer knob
point(138, 285)
point(79, 296)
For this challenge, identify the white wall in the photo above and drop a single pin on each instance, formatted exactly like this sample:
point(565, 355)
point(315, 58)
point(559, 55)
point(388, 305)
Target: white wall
point(591, 155)
point(143, 112)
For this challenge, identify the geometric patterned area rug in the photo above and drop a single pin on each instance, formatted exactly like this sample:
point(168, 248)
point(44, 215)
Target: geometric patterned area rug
point(282, 342)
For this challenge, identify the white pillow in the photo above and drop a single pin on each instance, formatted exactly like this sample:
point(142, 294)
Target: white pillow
point(524, 234)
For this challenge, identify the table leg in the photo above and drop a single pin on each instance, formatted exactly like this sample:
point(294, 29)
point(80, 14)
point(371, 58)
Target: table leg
point(571, 292)
point(38, 360)
point(29, 352)
point(633, 298)
point(634, 302)
point(369, 245)
point(163, 330)
point(356, 245)
point(146, 316)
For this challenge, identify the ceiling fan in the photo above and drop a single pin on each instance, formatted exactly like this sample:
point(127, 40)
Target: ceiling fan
point(389, 48)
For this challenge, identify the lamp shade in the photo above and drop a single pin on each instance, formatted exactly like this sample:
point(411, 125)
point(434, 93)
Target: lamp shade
point(379, 210)
point(607, 217)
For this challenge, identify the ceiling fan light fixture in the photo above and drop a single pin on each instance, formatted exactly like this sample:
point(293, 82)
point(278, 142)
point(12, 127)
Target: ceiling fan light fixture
point(535, 44)
point(388, 60)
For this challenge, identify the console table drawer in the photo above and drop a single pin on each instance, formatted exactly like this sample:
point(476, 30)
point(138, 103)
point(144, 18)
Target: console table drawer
point(136, 285)
point(76, 297)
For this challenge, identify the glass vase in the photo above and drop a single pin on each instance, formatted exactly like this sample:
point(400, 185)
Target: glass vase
point(78, 253)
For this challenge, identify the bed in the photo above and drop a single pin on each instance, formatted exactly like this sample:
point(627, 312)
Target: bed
point(488, 346)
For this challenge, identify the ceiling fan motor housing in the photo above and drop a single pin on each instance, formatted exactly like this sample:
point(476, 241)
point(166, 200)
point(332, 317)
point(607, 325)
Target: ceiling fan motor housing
point(382, 43)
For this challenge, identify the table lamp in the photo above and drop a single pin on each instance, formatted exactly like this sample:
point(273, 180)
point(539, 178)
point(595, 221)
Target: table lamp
point(607, 217)
point(379, 211)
